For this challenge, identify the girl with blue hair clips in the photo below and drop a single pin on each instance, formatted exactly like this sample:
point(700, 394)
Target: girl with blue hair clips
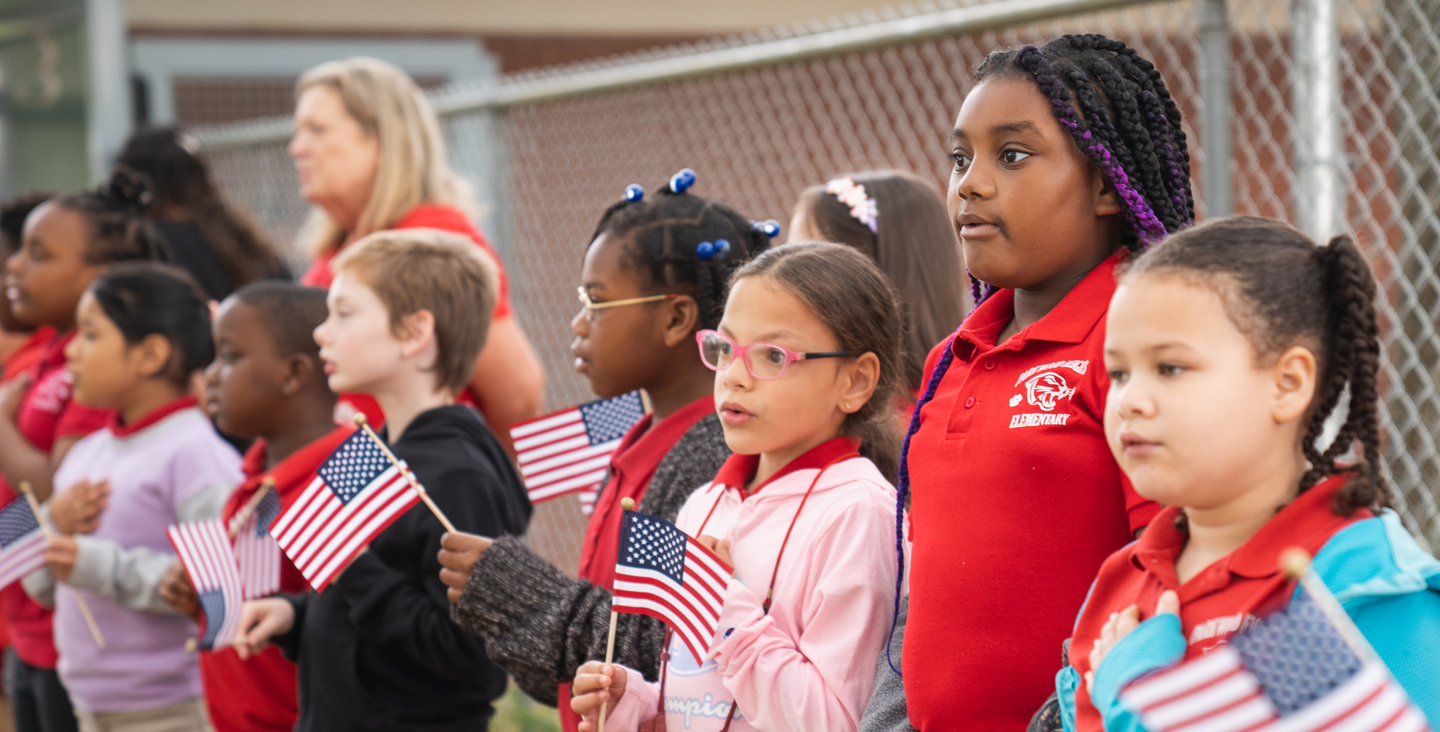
point(1228, 348)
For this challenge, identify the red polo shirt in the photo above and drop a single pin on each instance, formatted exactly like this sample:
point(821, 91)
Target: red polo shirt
point(260, 694)
point(424, 216)
point(1016, 503)
point(47, 414)
point(1224, 598)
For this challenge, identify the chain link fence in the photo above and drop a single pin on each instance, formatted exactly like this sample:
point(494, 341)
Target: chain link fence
point(762, 116)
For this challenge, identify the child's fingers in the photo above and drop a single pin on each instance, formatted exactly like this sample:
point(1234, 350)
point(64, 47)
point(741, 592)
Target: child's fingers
point(1127, 622)
point(1169, 603)
point(454, 580)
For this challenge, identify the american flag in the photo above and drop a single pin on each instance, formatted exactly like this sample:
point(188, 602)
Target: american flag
point(356, 493)
point(569, 451)
point(22, 543)
point(204, 549)
point(256, 550)
point(662, 572)
point(1292, 672)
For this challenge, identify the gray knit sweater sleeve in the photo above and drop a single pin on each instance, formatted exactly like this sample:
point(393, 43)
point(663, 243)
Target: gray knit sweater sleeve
point(887, 710)
point(540, 625)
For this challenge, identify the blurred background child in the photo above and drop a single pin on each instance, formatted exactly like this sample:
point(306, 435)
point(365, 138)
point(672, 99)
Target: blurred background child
point(20, 345)
point(67, 242)
point(144, 330)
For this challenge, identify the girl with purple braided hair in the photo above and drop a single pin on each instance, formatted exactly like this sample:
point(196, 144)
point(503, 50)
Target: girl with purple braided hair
point(1068, 158)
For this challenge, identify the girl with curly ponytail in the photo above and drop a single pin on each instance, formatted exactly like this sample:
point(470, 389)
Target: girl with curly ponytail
point(1228, 347)
point(67, 243)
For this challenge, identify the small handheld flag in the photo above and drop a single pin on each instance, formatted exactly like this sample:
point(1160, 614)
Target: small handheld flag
point(49, 531)
point(205, 551)
point(1295, 671)
point(256, 550)
point(569, 451)
point(662, 572)
point(22, 543)
point(356, 494)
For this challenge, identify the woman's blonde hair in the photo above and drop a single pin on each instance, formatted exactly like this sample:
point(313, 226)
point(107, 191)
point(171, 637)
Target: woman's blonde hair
point(412, 168)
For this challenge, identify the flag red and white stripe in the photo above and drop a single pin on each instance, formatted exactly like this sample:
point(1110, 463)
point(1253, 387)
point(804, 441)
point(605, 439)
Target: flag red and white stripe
point(22, 543)
point(356, 494)
point(569, 451)
point(663, 572)
point(209, 560)
point(1214, 693)
point(255, 549)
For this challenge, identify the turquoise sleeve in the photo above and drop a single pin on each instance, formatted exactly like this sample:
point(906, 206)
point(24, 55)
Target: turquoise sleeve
point(1405, 631)
point(1157, 643)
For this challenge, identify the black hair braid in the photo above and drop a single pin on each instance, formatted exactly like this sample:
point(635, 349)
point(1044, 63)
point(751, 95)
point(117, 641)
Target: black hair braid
point(1115, 106)
point(1354, 343)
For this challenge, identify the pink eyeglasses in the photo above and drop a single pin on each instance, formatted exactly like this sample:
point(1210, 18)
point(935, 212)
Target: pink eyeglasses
point(763, 360)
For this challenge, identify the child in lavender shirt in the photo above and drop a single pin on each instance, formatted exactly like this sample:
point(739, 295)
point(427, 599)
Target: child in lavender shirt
point(143, 331)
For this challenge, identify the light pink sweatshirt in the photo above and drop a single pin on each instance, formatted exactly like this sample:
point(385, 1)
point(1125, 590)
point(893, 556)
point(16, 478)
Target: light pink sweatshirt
point(810, 664)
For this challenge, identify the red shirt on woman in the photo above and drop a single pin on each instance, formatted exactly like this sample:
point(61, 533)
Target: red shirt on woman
point(1016, 503)
point(260, 694)
point(424, 216)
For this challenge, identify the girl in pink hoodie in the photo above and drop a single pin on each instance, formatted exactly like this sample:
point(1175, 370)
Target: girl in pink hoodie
point(804, 509)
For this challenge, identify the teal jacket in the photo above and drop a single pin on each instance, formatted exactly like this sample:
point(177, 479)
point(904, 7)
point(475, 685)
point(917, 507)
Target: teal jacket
point(1387, 583)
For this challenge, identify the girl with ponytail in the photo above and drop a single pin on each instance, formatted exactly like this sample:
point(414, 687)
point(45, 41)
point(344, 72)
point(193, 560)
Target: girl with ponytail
point(1228, 348)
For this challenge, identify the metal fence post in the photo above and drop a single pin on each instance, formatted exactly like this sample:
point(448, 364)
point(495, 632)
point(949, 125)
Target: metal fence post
point(1215, 108)
point(1319, 159)
point(109, 112)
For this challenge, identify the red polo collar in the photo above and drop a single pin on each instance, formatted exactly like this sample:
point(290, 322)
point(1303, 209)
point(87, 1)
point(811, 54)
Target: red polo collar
point(1069, 322)
point(125, 430)
point(739, 469)
point(1307, 522)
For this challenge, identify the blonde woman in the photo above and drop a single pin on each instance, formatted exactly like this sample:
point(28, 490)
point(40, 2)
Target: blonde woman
point(369, 155)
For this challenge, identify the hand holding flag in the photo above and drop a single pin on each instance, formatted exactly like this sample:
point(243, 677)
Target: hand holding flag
point(1305, 668)
point(209, 561)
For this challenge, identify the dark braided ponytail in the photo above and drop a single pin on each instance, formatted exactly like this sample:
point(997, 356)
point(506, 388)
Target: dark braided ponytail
point(119, 230)
point(1115, 105)
point(1271, 278)
point(667, 235)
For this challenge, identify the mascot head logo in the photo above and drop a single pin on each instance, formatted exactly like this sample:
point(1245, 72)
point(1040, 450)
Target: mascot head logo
point(1044, 390)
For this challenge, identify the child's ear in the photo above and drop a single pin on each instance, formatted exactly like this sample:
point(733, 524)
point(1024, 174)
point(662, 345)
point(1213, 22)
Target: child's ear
point(682, 320)
point(152, 355)
point(858, 381)
point(1107, 200)
point(1293, 378)
point(299, 369)
point(419, 332)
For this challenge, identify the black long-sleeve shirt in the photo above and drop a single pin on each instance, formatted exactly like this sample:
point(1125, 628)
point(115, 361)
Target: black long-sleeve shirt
point(377, 649)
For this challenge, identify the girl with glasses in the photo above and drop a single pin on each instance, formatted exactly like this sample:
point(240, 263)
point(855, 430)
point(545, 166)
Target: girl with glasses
point(807, 360)
point(645, 290)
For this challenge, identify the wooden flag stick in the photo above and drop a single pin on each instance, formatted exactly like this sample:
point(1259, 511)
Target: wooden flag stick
point(364, 424)
point(250, 507)
point(50, 534)
point(1296, 563)
point(626, 504)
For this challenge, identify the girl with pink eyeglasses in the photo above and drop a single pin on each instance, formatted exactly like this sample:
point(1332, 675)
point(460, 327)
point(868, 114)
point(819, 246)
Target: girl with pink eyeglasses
point(807, 362)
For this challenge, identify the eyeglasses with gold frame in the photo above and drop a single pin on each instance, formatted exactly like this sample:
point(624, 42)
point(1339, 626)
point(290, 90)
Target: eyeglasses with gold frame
point(591, 305)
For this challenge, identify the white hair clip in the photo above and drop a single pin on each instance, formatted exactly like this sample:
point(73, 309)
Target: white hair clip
point(862, 207)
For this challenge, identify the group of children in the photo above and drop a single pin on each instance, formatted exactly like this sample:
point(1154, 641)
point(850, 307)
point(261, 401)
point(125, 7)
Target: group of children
point(1127, 427)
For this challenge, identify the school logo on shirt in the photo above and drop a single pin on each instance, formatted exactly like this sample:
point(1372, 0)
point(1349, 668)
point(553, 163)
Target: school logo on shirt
point(1045, 387)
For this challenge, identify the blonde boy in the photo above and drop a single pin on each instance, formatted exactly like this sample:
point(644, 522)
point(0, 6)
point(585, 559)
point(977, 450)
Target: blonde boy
point(409, 311)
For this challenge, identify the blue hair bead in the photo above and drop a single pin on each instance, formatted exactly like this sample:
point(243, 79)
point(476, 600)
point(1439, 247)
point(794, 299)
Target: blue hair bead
point(769, 227)
point(722, 248)
point(634, 192)
point(705, 249)
point(682, 181)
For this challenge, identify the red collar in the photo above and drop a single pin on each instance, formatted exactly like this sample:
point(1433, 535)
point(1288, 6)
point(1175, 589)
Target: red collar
point(53, 356)
point(645, 445)
point(1307, 522)
point(1070, 322)
point(296, 466)
point(739, 469)
point(125, 430)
